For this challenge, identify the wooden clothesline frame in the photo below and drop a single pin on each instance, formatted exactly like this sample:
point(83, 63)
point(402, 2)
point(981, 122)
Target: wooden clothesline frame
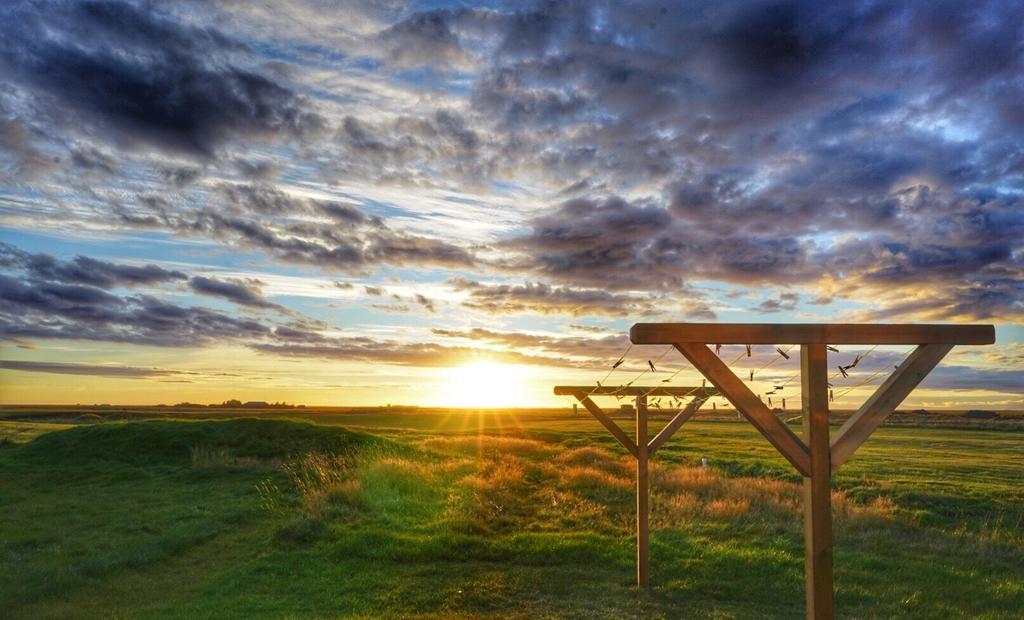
point(641, 449)
point(815, 456)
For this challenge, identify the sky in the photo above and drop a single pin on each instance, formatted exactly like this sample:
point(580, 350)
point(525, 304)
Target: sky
point(435, 203)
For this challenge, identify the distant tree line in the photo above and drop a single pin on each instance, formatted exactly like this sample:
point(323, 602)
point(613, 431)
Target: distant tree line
point(237, 404)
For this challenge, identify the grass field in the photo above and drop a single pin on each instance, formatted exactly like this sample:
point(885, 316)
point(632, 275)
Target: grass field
point(462, 514)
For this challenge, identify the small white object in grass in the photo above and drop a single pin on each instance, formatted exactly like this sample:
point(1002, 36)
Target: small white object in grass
point(703, 461)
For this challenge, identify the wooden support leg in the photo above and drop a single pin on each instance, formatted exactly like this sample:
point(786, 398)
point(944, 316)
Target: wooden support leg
point(818, 485)
point(642, 495)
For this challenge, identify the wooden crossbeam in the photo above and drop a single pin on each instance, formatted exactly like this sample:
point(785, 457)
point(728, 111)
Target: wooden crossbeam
point(801, 333)
point(680, 418)
point(884, 401)
point(608, 423)
point(747, 403)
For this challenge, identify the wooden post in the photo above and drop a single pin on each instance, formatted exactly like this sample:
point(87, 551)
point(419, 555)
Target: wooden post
point(817, 485)
point(642, 495)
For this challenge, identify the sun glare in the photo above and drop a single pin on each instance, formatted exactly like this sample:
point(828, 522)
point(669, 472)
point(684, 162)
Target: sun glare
point(485, 384)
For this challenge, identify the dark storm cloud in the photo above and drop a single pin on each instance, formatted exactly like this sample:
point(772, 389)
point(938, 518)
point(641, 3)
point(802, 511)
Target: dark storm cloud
point(767, 126)
point(138, 74)
point(241, 292)
point(85, 270)
point(867, 150)
point(615, 244)
point(424, 39)
point(33, 309)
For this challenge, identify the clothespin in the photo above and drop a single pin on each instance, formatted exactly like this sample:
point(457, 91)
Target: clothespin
point(718, 350)
point(598, 384)
point(783, 403)
point(782, 353)
point(843, 370)
point(703, 383)
point(651, 364)
point(666, 380)
point(831, 348)
point(618, 363)
point(714, 406)
point(751, 375)
point(779, 387)
point(769, 401)
point(831, 396)
point(748, 350)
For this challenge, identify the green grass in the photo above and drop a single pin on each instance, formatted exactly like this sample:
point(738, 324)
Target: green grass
point(476, 516)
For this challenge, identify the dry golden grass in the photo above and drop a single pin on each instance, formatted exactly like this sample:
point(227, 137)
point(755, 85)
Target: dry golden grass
point(596, 458)
point(487, 443)
point(699, 480)
point(683, 493)
point(578, 477)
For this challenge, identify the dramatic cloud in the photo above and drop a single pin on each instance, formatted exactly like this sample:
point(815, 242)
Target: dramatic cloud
point(241, 292)
point(541, 298)
point(94, 370)
point(593, 352)
point(140, 75)
point(85, 270)
point(534, 162)
point(332, 236)
point(31, 309)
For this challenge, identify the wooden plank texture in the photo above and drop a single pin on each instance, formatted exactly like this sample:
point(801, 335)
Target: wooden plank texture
point(799, 333)
point(643, 490)
point(747, 403)
point(884, 401)
point(817, 489)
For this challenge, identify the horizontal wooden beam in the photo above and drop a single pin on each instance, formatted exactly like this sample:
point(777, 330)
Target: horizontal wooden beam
point(807, 333)
point(633, 390)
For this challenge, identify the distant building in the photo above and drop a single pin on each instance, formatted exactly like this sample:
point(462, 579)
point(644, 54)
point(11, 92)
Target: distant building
point(256, 404)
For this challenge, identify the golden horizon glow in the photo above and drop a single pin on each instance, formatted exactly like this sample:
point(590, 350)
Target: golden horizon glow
point(484, 385)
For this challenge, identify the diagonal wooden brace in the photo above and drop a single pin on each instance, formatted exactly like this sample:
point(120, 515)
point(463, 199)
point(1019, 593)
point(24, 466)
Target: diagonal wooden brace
point(608, 423)
point(884, 401)
point(680, 418)
point(747, 403)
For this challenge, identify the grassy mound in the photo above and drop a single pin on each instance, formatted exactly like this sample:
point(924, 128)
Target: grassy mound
point(94, 501)
point(175, 442)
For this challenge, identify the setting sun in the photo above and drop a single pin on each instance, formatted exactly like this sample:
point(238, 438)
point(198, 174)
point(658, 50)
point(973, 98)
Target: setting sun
point(485, 384)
